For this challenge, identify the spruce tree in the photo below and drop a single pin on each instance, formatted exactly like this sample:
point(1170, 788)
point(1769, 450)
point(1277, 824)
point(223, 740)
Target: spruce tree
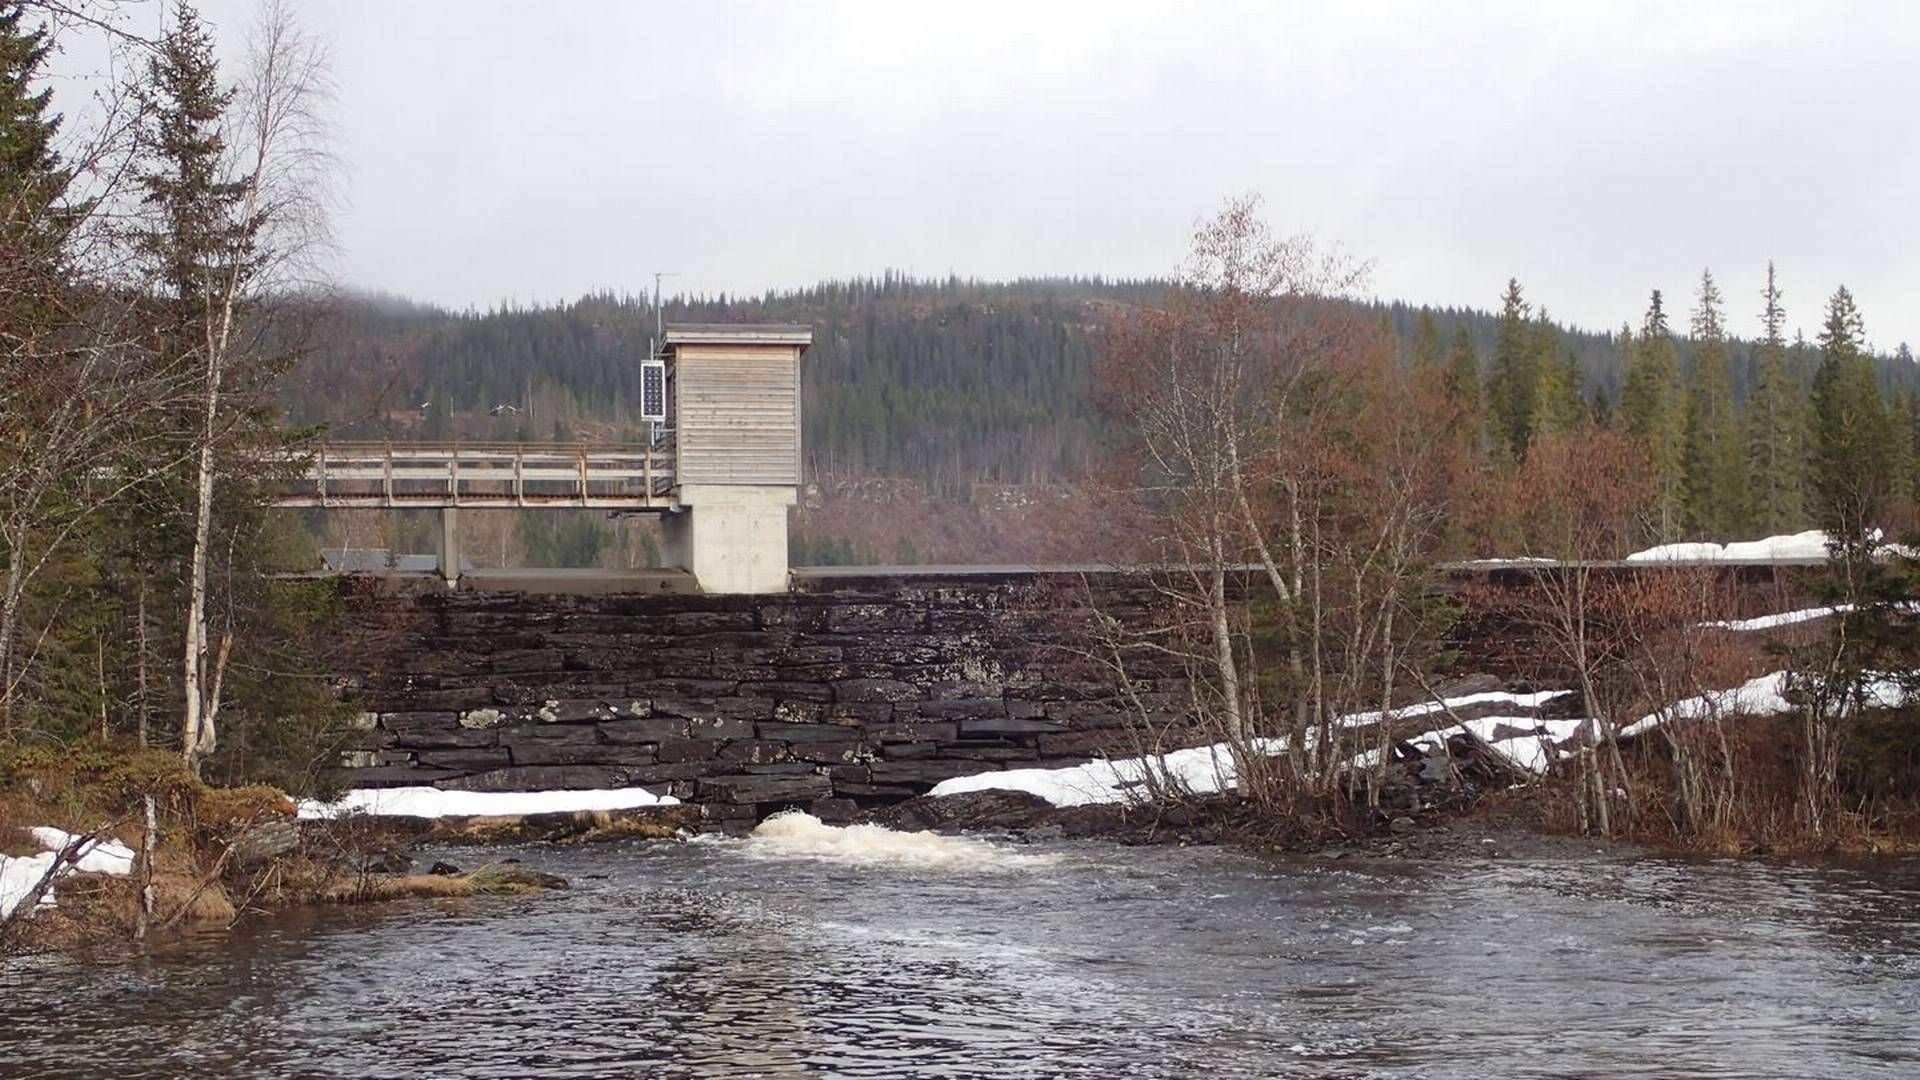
point(1715, 461)
point(1852, 433)
point(1776, 426)
point(1559, 406)
point(1902, 417)
point(1514, 376)
point(1652, 405)
point(32, 177)
point(1427, 350)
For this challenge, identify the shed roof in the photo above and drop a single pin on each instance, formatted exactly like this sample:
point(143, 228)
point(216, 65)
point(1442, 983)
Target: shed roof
point(739, 334)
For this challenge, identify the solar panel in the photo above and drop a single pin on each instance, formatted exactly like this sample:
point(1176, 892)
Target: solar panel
point(653, 390)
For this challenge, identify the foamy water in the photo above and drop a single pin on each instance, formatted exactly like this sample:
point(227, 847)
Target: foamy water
point(797, 834)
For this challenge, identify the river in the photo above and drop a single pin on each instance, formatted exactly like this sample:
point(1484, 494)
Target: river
point(821, 952)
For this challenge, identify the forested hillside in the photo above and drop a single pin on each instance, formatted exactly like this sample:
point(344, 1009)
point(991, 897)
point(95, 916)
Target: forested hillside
point(944, 382)
point(939, 386)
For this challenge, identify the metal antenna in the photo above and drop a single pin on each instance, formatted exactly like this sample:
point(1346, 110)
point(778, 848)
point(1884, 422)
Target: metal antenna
point(659, 314)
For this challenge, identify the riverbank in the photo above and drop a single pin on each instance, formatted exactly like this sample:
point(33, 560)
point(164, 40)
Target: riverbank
point(110, 844)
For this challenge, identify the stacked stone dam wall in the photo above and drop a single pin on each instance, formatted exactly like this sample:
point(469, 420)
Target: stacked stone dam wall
point(850, 693)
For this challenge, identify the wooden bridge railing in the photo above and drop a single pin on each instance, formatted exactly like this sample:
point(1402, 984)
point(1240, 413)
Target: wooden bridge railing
point(455, 474)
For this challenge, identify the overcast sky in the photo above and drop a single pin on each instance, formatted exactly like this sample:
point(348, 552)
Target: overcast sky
point(535, 151)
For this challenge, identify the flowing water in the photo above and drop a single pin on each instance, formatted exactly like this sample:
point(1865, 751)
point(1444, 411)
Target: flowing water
point(813, 951)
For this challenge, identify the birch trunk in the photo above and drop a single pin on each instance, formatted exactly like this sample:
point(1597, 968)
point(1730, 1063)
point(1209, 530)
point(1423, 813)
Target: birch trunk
point(196, 732)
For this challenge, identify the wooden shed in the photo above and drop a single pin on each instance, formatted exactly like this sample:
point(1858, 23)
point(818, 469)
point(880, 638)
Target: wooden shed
point(734, 403)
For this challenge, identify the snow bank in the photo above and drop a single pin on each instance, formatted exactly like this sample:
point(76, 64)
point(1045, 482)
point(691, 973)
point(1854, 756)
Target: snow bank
point(1528, 743)
point(1525, 701)
point(96, 857)
point(1207, 770)
point(426, 802)
point(801, 835)
point(1806, 545)
point(1764, 696)
point(1782, 618)
point(1203, 770)
point(19, 874)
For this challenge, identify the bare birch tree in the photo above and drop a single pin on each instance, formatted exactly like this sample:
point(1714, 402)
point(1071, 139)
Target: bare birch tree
point(239, 194)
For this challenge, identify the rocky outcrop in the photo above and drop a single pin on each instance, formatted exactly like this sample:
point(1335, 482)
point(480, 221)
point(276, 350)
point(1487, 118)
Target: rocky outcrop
point(853, 693)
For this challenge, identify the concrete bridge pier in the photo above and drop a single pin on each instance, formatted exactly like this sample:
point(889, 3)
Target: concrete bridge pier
point(731, 537)
point(450, 546)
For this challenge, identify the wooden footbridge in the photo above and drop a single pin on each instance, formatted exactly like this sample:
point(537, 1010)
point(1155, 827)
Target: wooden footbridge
point(449, 475)
point(722, 469)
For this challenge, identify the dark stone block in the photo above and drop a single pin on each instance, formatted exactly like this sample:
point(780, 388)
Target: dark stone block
point(927, 771)
point(953, 690)
point(574, 753)
point(856, 618)
point(543, 778)
point(829, 753)
point(521, 734)
point(715, 668)
point(869, 690)
point(971, 710)
point(754, 751)
point(720, 727)
point(858, 713)
point(457, 738)
point(473, 760)
point(643, 729)
point(683, 688)
point(993, 753)
point(731, 708)
point(748, 788)
point(892, 654)
point(788, 691)
point(402, 722)
point(391, 776)
point(834, 811)
point(780, 768)
point(458, 698)
point(678, 750)
point(797, 733)
point(654, 775)
point(821, 673)
point(913, 730)
point(878, 792)
point(520, 660)
point(574, 710)
point(901, 751)
point(1007, 725)
point(799, 712)
point(695, 622)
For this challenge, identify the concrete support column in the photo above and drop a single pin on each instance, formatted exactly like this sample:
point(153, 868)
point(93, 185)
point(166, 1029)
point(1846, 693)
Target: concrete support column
point(450, 546)
point(731, 537)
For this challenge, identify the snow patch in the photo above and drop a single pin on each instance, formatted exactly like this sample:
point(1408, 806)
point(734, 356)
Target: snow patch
point(426, 802)
point(1202, 770)
point(1525, 701)
point(1208, 770)
point(19, 874)
point(1526, 742)
point(1781, 618)
point(1763, 696)
point(1806, 545)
